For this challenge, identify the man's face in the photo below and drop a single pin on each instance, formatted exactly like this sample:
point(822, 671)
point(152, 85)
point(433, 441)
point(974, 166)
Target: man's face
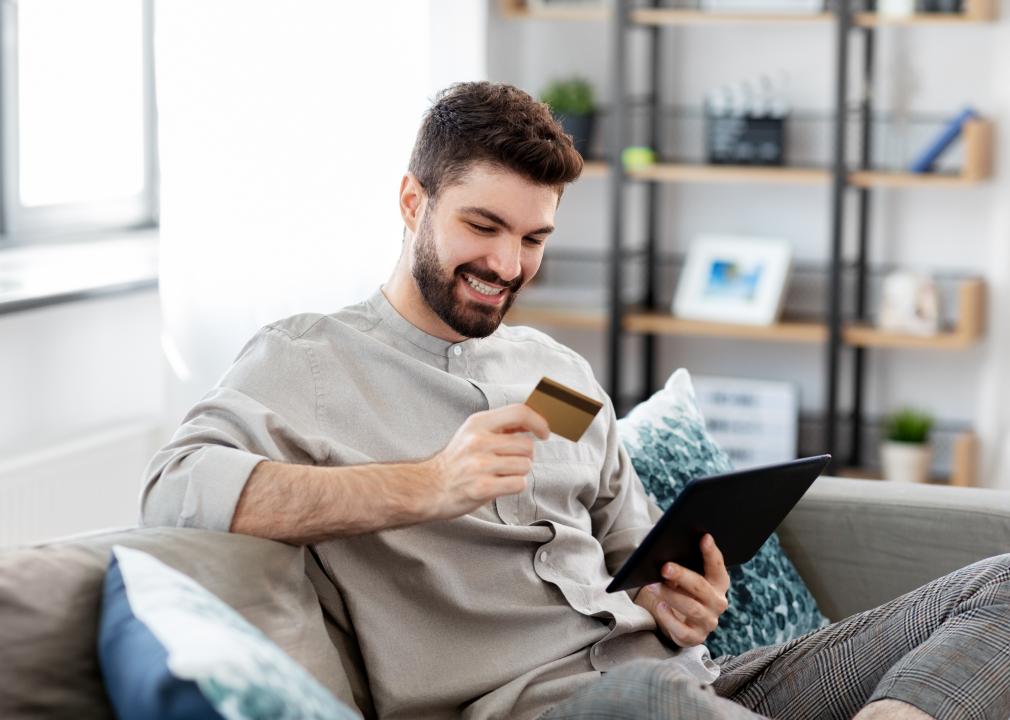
point(479, 244)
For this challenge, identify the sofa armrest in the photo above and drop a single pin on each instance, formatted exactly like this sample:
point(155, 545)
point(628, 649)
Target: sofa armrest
point(859, 543)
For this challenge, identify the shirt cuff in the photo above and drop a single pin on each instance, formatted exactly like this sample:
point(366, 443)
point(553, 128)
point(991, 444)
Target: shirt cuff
point(216, 480)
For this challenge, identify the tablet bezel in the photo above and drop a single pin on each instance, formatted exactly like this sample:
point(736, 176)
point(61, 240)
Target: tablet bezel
point(723, 505)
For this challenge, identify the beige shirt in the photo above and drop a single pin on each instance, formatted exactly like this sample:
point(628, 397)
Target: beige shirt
point(497, 614)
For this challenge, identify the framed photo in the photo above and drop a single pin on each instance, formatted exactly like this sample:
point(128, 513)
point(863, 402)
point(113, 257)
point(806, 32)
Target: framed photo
point(733, 279)
point(755, 421)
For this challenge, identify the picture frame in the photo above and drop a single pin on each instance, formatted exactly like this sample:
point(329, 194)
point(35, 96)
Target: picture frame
point(733, 279)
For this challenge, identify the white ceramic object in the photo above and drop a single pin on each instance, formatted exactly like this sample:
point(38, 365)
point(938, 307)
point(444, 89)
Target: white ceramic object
point(906, 462)
point(896, 8)
point(910, 303)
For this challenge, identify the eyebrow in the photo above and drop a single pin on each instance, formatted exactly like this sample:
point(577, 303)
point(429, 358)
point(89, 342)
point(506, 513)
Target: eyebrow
point(495, 218)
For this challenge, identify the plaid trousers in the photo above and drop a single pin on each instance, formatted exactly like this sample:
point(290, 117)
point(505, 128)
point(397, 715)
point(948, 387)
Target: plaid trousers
point(943, 648)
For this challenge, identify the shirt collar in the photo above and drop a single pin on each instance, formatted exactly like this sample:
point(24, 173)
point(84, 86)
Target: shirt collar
point(404, 328)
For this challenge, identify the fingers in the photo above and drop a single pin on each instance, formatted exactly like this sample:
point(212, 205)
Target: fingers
point(511, 418)
point(509, 465)
point(508, 485)
point(695, 585)
point(513, 444)
point(694, 613)
point(715, 566)
point(680, 627)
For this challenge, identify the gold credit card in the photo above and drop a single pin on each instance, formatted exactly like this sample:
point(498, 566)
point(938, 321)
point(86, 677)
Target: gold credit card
point(568, 413)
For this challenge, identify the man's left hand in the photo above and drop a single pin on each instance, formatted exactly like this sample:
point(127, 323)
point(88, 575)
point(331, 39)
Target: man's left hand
point(686, 605)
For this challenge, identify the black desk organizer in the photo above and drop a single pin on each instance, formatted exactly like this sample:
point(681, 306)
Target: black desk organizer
point(745, 139)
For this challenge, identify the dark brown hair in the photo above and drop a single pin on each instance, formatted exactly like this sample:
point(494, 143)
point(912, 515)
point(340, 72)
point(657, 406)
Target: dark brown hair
point(471, 122)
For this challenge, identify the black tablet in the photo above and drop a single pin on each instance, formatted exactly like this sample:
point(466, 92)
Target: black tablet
point(741, 509)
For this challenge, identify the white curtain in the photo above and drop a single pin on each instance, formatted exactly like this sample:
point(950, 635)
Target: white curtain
point(284, 131)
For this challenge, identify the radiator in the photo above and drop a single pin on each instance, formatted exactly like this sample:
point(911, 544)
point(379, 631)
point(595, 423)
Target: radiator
point(86, 484)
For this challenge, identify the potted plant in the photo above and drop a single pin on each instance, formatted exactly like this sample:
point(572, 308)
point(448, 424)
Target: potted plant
point(906, 453)
point(572, 103)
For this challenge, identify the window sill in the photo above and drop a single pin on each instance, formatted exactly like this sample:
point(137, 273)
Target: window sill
point(44, 275)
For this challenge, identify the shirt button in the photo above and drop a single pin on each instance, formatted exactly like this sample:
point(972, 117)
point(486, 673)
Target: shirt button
point(543, 557)
point(457, 351)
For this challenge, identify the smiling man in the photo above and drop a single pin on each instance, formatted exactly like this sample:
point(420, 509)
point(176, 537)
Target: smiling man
point(462, 286)
point(468, 548)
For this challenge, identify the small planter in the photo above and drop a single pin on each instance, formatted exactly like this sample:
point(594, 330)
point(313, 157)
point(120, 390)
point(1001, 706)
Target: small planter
point(580, 127)
point(572, 103)
point(896, 8)
point(905, 461)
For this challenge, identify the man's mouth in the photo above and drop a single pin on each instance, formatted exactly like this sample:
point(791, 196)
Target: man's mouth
point(491, 293)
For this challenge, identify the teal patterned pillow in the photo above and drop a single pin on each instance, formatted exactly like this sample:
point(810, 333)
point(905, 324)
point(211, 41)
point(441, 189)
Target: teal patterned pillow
point(669, 446)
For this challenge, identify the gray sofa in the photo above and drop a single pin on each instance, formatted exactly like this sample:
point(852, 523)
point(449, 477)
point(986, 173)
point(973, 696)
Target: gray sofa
point(857, 543)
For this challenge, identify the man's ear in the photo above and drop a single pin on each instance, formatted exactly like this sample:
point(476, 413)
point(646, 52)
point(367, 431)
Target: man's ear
point(412, 197)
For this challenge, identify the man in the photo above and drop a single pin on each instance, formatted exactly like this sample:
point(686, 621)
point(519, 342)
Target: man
point(470, 547)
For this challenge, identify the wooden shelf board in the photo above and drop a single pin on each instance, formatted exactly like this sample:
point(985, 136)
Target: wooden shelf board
point(666, 324)
point(676, 172)
point(977, 141)
point(963, 471)
point(518, 9)
point(595, 169)
point(978, 11)
point(870, 19)
point(882, 178)
point(651, 16)
point(969, 329)
point(784, 332)
point(867, 336)
point(557, 317)
point(668, 172)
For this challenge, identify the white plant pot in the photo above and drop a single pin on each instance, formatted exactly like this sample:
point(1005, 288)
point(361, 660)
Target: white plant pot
point(906, 462)
point(896, 8)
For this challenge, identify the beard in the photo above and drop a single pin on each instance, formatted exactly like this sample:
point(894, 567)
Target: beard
point(466, 317)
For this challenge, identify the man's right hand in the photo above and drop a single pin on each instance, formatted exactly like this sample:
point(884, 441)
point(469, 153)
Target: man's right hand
point(490, 455)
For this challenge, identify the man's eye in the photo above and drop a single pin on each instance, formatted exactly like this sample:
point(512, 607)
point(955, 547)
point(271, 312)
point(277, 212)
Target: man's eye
point(482, 228)
point(534, 241)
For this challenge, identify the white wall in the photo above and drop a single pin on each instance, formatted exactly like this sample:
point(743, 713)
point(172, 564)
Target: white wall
point(281, 169)
point(936, 70)
point(81, 401)
point(70, 369)
point(284, 136)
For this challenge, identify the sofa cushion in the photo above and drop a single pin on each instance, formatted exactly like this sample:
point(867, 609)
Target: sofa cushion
point(49, 612)
point(669, 446)
point(169, 649)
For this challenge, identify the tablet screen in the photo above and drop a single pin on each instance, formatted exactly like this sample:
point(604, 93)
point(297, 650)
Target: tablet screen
point(740, 509)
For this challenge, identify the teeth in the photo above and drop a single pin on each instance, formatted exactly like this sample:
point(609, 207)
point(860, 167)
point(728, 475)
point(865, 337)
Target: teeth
point(481, 287)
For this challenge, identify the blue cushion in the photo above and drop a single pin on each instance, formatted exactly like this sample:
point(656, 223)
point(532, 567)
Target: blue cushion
point(169, 649)
point(669, 446)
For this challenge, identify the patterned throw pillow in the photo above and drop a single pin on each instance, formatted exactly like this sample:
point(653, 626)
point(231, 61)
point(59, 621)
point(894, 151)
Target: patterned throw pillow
point(669, 446)
point(168, 648)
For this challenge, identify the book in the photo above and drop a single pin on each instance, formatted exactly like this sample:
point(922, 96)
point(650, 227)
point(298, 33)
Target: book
point(951, 131)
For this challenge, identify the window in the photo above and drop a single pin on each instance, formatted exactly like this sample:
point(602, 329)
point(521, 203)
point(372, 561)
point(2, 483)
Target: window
point(77, 118)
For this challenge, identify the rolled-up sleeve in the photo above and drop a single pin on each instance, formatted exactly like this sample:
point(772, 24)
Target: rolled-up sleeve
point(623, 514)
point(264, 408)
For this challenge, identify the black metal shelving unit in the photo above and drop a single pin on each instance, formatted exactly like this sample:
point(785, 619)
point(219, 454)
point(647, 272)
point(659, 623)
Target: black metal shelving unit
point(618, 140)
point(846, 25)
point(842, 326)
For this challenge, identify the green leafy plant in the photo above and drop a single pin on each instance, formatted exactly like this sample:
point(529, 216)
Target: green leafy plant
point(569, 97)
point(909, 426)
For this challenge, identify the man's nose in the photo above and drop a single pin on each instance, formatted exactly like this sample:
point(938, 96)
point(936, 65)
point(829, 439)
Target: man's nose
point(505, 260)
